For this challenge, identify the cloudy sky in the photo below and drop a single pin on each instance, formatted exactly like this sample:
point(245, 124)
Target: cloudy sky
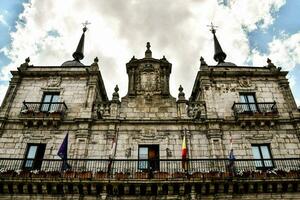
point(249, 31)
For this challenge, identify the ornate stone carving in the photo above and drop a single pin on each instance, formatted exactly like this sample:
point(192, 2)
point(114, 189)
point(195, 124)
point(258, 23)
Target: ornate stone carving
point(244, 82)
point(197, 110)
point(54, 81)
point(102, 109)
point(149, 134)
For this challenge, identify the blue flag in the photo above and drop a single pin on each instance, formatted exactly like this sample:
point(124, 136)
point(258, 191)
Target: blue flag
point(63, 153)
point(231, 155)
point(63, 150)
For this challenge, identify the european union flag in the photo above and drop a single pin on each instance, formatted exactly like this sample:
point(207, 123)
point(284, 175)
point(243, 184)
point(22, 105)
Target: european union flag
point(63, 153)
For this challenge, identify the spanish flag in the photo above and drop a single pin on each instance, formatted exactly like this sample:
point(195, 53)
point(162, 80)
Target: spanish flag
point(184, 153)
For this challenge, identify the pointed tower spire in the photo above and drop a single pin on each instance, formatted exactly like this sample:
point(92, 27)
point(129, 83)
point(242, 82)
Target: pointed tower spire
point(220, 55)
point(78, 54)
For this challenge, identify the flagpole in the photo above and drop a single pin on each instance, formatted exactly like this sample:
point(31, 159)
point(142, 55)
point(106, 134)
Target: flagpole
point(113, 151)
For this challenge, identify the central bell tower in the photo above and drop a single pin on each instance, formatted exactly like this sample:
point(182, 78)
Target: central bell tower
point(148, 76)
point(148, 95)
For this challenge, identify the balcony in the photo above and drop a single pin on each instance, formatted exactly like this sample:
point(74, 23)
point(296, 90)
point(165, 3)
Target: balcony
point(266, 109)
point(42, 112)
point(133, 177)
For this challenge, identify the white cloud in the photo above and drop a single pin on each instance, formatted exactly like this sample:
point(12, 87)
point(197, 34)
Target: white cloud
point(2, 20)
point(120, 29)
point(249, 13)
point(283, 51)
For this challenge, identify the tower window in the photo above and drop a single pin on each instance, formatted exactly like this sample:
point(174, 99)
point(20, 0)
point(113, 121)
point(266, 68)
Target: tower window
point(262, 154)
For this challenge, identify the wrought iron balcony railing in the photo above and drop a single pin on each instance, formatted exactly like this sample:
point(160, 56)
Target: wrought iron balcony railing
point(265, 108)
point(135, 169)
point(43, 107)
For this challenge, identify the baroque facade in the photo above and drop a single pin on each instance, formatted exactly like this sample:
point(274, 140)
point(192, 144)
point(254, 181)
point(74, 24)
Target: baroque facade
point(131, 147)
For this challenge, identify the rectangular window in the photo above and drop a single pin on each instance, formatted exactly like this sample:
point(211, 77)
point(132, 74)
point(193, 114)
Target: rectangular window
point(50, 102)
point(34, 156)
point(151, 155)
point(262, 153)
point(248, 101)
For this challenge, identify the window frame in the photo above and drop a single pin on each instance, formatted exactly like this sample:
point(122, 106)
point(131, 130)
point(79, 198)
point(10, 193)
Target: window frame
point(49, 106)
point(151, 164)
point(264, 163)
point(34, 163)
point(250, 107)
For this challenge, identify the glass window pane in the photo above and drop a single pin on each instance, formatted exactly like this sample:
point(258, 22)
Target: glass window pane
point(54, 107)
point(255, 151)
point(55, 98)
point(31, 152)
point(266, 155)
point(47, 98)
point(45, 107)
point(30, 155)
point(29, 163)
point(143, 154)
point(251, 98)
point(243, 98)
point(256, 155)
point(265, 152)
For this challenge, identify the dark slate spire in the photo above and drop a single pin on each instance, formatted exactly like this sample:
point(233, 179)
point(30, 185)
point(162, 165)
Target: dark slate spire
point(220, 55)
point(148, 52)
point(78, 54)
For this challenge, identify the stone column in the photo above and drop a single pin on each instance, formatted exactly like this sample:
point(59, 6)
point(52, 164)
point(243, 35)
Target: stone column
point(165, 81)
point(214, 135)
point(115, 103)
point(181, 104)
point(131, 81)
point(82, 138)
point(287, 95)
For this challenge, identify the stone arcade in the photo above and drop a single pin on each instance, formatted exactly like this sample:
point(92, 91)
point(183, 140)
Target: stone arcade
point(130, 147)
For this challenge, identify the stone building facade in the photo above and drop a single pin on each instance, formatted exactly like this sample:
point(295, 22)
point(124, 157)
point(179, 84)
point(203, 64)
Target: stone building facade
point(250, 110)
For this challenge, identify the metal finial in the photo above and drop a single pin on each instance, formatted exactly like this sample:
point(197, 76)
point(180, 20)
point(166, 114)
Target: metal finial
point(116, 94)
point(181, 93)
point(116, 88)
point(148, 45)
point(84, 25)
point(27, 60)
point(148, 52)
point(212, 28)
point(202, 61)
point(180, 88)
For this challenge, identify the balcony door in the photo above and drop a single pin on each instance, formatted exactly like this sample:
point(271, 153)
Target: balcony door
point(34, 156)
point(249, 102)
point(49, 102)
point(151, 155)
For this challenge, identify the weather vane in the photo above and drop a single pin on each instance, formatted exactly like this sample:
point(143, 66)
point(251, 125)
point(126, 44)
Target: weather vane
point(212, 28)
point(85, 24)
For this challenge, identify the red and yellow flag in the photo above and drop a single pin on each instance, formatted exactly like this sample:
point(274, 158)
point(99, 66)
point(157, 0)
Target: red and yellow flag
point(183, 148)
point(184, 153)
